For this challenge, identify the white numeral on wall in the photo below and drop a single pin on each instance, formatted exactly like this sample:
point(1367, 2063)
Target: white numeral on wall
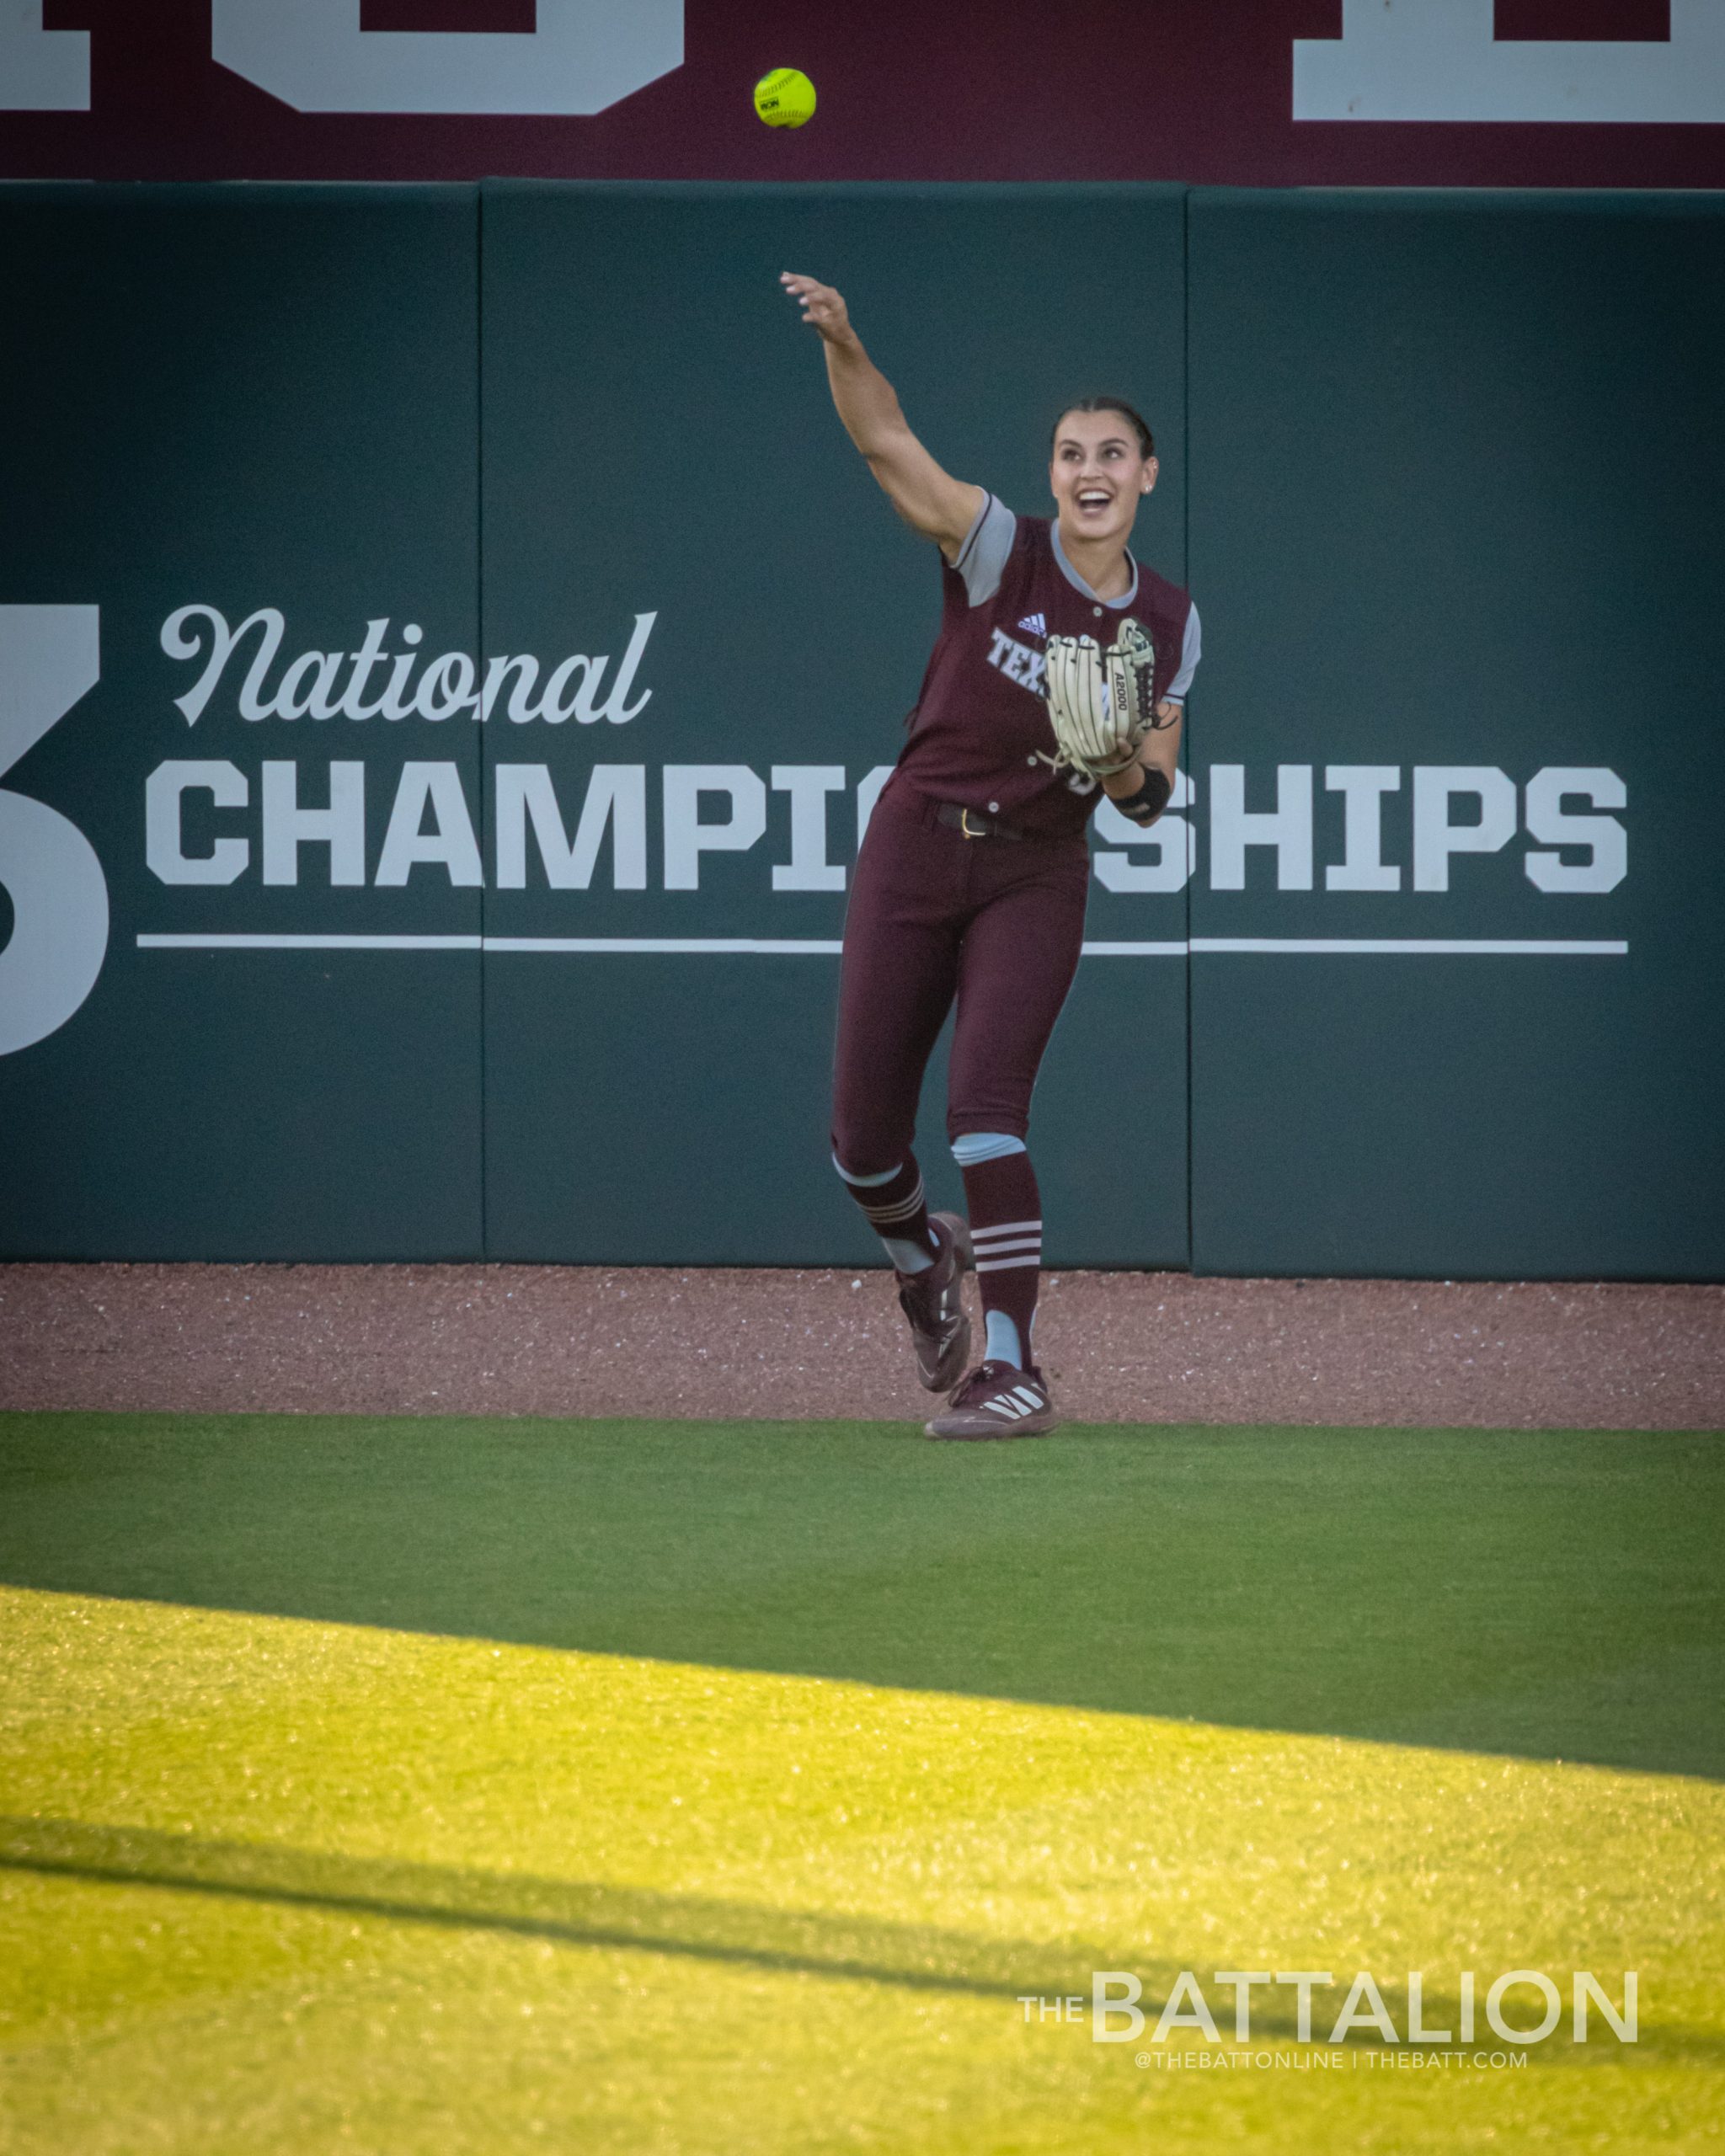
point(584, 56)
point(50, 656)
point(41, 71)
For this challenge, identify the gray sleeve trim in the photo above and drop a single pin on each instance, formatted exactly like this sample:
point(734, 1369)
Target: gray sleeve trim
point(1191, 651)
point(982, 559)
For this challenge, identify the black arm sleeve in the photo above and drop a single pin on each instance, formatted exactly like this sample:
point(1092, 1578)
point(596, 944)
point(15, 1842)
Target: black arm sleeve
point(1151, 797)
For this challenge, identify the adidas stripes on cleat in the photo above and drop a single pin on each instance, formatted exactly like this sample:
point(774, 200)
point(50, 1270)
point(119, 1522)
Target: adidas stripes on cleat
point(998, 1401)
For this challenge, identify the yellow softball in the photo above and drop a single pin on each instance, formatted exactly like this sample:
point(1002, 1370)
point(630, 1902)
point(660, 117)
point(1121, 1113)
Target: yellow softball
point(785, 98)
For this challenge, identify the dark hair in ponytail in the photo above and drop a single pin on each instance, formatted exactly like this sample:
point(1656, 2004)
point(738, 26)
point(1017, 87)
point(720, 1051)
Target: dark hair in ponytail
point(1146, 441)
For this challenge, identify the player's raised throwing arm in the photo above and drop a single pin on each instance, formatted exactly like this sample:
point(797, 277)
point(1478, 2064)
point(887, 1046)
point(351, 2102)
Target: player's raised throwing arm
point(929, 499)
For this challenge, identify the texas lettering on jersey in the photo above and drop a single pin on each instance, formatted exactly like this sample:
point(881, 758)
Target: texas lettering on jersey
point(980, 733)
point(1017, 662)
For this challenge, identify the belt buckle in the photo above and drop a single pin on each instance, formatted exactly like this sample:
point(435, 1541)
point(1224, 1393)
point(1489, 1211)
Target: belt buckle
point(964, 826)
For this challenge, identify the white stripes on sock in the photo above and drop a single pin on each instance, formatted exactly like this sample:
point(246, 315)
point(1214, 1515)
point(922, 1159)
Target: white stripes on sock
point(1008, 1243)
point(882, 1217)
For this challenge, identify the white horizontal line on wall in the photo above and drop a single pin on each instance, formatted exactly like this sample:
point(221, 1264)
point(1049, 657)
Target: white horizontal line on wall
point(1134, 950)
point(310, 942)
point(721, 946)
point(755, 946)
point(1463, 946)
point(718, 945)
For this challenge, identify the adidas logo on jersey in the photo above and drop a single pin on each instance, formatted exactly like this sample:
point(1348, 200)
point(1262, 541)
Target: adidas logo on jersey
point(1036, 625)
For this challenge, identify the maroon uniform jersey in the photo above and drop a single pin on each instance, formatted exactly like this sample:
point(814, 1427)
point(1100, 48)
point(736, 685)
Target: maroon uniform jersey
point(980, 733)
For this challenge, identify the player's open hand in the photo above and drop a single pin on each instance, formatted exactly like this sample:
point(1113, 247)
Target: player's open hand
point(823, 308)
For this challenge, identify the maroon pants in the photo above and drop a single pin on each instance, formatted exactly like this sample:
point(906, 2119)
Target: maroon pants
point(998, 923)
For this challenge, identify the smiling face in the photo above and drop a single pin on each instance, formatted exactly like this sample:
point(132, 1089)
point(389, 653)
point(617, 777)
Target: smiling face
point(1098, 475)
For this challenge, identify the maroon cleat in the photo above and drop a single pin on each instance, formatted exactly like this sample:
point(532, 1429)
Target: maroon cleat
point(998, 1401)
point(933, 1302)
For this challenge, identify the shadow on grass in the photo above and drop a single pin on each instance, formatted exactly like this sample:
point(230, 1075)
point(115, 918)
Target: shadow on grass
point(1549, 1595)
point(847, 1949)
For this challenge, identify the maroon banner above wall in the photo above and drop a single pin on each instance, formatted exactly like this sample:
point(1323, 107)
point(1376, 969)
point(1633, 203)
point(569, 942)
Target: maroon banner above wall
point(1270, 92)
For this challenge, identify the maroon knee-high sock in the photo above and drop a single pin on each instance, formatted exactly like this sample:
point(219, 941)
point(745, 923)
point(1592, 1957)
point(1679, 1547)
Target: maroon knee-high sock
point(896, 1208)
point(1006, 1222)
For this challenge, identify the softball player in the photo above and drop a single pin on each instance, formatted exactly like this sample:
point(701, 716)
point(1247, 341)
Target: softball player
point(1060, 673)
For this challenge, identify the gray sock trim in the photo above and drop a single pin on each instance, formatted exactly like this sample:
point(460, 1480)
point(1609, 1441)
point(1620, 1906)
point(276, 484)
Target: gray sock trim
point(976, 1145)
point(863, 1183)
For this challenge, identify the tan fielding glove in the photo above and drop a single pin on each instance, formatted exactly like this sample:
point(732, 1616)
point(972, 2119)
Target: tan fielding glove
point(1130, 665)
point(1082, 707)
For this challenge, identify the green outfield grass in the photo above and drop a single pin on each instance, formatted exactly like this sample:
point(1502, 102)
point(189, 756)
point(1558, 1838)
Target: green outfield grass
point(460, 1785)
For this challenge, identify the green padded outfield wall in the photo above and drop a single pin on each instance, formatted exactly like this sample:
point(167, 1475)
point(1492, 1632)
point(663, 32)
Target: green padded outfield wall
point(1457, 522)
point(662, 457)
point(247, 401)
point(560, 984)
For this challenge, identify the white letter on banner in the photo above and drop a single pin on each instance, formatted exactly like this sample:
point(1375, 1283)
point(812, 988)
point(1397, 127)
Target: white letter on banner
point(520, 673)
point(686, 838)
point(615, 792)
point(1171, 841)
point(50, 656)
point(617, 706)
point(1435, 838)
point(1604, 834)
point(41, 71)
point(450, 841)
point(1287, 827)
point(808, 785)
point(584, 56)
point(1362, 787)
point(445, 687)
point(341, 826)
point(223, 643)
point(163, 847)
